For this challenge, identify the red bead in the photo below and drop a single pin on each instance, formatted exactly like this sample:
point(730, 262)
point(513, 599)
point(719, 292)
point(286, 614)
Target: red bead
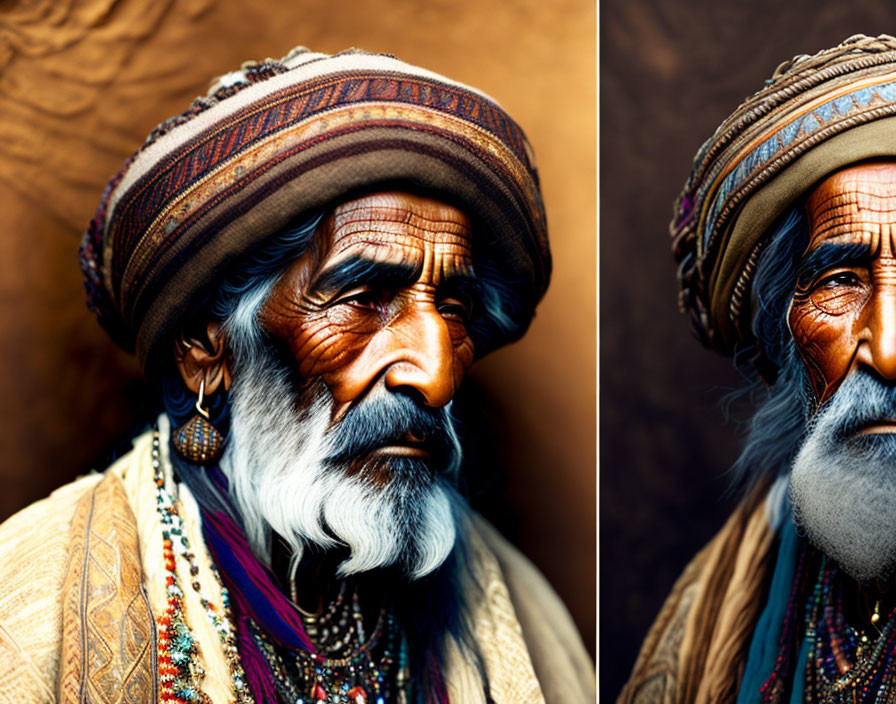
point(356, 695)
point(319, 693)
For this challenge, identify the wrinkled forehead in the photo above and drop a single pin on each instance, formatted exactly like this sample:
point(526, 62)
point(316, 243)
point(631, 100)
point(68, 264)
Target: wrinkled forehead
point(386, 221)
point(856, 203)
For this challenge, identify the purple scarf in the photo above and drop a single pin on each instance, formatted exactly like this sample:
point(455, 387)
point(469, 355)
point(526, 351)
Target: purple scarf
point(254, 595)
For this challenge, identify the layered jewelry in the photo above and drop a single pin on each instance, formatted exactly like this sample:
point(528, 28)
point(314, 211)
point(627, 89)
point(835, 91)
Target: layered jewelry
point(347, 667)
point(180, 670)
point(845, 664)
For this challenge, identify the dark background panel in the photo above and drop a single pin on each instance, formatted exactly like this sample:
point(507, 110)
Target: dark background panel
point(671, 71)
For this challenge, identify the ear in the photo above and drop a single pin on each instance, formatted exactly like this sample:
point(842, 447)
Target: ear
point(204, 360)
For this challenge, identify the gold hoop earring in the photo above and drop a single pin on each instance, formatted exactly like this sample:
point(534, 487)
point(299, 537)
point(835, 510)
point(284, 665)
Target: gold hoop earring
point(198, 440)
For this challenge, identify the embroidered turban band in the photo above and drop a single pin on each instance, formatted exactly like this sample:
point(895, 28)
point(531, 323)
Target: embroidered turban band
point(815, 115)
point(280, 139)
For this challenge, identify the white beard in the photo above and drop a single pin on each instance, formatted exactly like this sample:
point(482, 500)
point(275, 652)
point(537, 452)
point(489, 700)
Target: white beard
point(283, 478)
point(843, 486)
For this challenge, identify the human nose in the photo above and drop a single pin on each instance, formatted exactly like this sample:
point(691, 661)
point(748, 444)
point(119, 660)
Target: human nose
point(879, 348)
point(419, 355)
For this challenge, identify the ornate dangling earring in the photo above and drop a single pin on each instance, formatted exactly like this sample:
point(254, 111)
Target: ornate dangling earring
point(197, 440)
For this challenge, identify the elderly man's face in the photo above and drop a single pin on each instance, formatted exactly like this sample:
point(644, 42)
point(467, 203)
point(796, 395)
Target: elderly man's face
point(843, 320)
point(385, 305)
point(347, 437)
point(843, 315)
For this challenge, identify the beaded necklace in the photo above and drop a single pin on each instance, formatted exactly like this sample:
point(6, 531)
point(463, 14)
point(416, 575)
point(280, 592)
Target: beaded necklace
point(346, 667)
point(180, 672)
point(844, 665)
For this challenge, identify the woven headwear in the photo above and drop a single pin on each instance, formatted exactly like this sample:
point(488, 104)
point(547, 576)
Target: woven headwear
point(815, 115)
point(281, 139)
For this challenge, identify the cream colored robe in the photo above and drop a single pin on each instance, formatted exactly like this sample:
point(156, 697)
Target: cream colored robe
point(82, 577)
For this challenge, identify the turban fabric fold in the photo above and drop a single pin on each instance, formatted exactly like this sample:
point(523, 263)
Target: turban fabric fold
point(815, 115)
point(281, 139)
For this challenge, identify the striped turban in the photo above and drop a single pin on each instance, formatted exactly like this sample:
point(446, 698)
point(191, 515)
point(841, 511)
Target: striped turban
point(278, 140)
point(815, 115)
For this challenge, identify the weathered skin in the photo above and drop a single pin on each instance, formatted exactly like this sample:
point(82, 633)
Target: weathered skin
point(407, 334)
point(843, 317)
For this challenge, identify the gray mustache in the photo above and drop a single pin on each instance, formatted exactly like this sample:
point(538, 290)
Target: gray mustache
point(387, 420)
point(861, 400)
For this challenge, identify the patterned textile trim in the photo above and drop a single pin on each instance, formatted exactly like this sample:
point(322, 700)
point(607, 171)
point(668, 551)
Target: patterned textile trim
point(108, 634)
point(185, 205)
point(301, 134)
point(806, 104)
point(302, 114)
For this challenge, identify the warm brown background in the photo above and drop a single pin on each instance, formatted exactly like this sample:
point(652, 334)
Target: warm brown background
point(671, 71)
point(81, 84)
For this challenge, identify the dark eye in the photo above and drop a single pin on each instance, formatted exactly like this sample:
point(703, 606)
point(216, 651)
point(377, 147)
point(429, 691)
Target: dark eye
point(455, 309)
point(365, 298)
point(840, 278)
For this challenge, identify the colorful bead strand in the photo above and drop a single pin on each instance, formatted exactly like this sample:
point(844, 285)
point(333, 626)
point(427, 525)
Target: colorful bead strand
point(179, 669)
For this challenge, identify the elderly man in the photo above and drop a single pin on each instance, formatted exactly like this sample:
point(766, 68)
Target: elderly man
point(786, 235)
point(307, 261)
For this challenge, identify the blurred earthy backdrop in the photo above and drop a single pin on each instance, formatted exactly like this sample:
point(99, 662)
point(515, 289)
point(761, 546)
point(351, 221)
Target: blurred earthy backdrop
point(671, 71)
point(81, 84)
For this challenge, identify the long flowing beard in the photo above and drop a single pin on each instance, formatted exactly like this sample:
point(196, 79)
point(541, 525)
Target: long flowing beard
point(843, 484)
point(291, 472)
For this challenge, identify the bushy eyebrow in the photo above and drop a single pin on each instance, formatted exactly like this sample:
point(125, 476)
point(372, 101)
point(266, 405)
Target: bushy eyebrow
point(363, 271)
point(358, 270)
point(829, 256)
